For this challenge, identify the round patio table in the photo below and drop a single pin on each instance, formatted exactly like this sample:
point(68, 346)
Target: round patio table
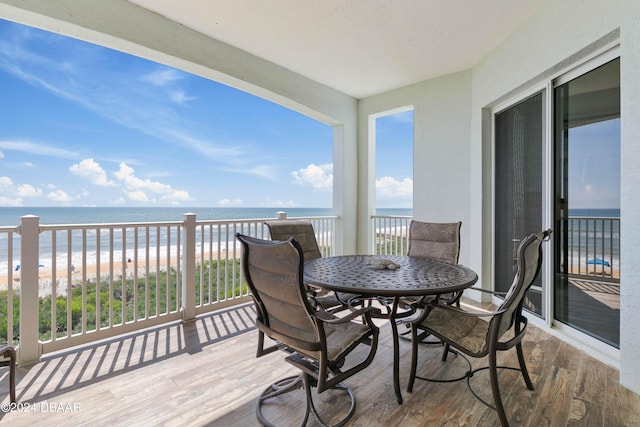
point(390, 277)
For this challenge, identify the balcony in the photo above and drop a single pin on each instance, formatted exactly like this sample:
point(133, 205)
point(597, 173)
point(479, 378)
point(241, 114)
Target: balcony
point(176, 326)
point(75, 284)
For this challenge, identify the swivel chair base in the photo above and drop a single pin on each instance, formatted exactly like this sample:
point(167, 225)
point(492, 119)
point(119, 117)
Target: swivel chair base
point(303, 381)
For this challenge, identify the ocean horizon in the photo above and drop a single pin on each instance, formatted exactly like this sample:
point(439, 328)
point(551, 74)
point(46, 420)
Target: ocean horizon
point(10, 216)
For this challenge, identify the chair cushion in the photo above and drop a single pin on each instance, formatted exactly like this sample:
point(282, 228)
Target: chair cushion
point(342, 337)
point(439, 241)
point(468, 333)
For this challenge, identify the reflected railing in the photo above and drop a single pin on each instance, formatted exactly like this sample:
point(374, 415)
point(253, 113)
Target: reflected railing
point(592, 247)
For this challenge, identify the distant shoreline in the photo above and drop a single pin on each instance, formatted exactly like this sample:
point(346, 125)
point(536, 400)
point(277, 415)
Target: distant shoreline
point(10, 216)
point(81, 273)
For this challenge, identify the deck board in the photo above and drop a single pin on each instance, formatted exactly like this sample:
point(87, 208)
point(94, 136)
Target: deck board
point(206, 373)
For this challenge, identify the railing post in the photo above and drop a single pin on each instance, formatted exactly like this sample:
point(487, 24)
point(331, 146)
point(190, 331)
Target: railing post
point(189, 268)
point(281, 215)
point(29, 347)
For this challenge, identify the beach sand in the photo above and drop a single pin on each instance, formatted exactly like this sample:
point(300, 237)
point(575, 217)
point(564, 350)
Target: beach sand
point(88, 272)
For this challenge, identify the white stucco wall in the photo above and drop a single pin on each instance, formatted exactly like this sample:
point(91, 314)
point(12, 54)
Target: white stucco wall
point(560, 34)
point(442, 119)
point(630, 196)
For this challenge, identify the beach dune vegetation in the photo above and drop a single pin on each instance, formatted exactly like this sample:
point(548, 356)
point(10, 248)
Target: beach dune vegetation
point(122, 301)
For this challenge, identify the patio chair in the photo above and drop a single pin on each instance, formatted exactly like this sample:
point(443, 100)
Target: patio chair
point(318, 343)
point(302, 231)
point(8, 354)
point(469, 332)
point(439, 241)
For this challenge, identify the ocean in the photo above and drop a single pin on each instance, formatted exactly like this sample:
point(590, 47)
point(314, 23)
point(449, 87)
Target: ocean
point(11, 216)
point(583, 228)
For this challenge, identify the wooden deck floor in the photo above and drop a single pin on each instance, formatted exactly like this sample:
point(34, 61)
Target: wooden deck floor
point(206, 373)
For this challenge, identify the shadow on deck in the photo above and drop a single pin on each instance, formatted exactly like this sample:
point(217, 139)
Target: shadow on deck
point(206, 373)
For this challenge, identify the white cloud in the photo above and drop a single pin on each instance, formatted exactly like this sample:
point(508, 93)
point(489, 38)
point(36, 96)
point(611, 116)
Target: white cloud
point(1, 155)
point(263, 171)
point(162, 77)
point(279, 204)
point(143, 190)
point(229, 202)
point(38, 149)
point(177, 196)
point(319, 177)
point(59, 196)
point(390, 190)
point(91, 171)
point(27, 190)
point(10, 202)
point(12, 194)
point(225, 154)
point(84, 80)
point(180, 97)
point(137, 196)
point(5, 182)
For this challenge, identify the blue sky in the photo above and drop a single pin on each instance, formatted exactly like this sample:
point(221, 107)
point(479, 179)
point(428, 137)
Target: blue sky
point(594, 165)
point(84, 125)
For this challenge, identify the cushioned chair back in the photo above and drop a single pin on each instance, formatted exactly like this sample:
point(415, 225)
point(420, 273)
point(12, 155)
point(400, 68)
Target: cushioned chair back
point(529, 260)
point(273, 270)
point(440, 241)
point(301, 230)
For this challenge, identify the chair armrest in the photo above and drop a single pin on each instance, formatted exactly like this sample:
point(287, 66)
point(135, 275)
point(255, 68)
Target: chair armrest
point(365, 311)
point(486, 291)
point(461, 312)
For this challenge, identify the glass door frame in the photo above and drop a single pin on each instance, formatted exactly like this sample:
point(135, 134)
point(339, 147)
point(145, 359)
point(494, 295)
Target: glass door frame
point(546, 85)
point(581, 69)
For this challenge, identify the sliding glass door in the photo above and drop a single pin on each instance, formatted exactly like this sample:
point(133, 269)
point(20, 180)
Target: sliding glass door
point(557, 163)
point(587, 202)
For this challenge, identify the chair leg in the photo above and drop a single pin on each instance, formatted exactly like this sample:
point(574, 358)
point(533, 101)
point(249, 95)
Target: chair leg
point(12, 378)
point(495, 389)
point(306, 382)
point(414, 358)
point(445, 352)
point(523, 367)
point(11, 354)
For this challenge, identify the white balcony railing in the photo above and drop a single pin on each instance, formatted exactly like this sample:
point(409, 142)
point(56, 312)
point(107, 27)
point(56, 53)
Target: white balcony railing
point(64, 285)
point(593, 243)
point(390, 234)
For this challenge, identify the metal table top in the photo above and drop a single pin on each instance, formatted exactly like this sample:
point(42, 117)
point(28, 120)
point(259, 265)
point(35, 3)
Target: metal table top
point(364, 274)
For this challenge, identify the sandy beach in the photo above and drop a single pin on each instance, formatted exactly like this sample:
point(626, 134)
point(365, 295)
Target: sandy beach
point(89, 271)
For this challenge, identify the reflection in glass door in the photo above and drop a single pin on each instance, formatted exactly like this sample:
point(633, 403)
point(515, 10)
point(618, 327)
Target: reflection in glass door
point(587, 203)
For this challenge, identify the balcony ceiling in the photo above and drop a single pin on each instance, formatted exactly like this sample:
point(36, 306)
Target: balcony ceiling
point(359, 47)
